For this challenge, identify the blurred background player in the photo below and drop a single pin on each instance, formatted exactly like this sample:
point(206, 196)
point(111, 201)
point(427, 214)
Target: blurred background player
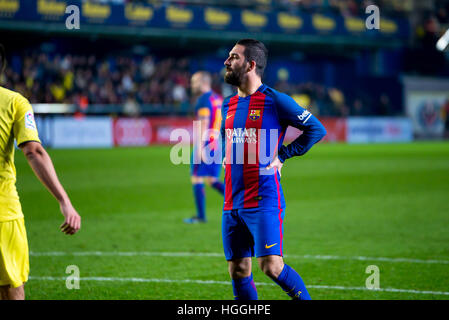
point(208, 117)
point(17, 123)
point(254, 205)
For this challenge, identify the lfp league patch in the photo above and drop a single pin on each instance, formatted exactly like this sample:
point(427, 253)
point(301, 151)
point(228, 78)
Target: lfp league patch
point(29, 121)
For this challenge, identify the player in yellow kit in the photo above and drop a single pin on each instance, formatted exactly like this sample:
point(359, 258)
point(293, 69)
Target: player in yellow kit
point(17, 123)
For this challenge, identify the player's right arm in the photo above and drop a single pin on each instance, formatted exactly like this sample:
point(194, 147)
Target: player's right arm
point(25, 133)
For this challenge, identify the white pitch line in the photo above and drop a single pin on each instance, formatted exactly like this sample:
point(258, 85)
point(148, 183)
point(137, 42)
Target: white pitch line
point(106, 279)
point(214, 254)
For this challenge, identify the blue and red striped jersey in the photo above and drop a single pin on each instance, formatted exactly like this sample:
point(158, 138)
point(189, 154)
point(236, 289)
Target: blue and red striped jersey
point(253, 130)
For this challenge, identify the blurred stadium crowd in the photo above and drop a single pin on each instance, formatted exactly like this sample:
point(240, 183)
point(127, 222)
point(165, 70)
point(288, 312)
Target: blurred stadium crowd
point(86, 79)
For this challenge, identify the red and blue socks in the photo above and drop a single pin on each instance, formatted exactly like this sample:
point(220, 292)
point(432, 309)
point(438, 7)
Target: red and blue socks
point(219, 186)
point(200, 200)
point(244, 289)
point(291, 282)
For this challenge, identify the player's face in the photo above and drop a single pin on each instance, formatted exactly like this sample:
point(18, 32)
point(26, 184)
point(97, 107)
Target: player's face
point(236, 66)
point(195, 84)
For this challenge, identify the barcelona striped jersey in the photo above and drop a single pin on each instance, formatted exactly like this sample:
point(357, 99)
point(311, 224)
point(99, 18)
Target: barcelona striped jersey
point(253, 130)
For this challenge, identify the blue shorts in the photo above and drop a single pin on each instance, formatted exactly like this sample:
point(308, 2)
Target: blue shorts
point(205, 170)
point(252, 231)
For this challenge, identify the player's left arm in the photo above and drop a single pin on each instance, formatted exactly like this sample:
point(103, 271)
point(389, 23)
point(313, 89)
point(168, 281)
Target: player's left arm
point(223, 137)
point(203, 117)
point(291, 114)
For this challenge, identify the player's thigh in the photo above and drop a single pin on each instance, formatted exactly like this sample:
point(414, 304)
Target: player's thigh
point(14, 259)
point(267, 228)
point(214, 170)
point(206, 170)
point(237, 240)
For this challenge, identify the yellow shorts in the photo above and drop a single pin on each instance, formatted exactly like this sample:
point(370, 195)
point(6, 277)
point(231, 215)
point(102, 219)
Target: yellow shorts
point(14, 260)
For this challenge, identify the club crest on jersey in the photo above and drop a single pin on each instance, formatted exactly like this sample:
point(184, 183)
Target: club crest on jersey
point(254, 114)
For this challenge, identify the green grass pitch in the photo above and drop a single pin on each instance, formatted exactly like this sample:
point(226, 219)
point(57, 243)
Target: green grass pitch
point(388, 204)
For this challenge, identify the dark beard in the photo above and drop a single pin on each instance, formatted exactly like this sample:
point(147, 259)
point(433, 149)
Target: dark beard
point(233, 77)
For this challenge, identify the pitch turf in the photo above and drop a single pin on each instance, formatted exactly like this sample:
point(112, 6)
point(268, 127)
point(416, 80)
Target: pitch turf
point(347, 201)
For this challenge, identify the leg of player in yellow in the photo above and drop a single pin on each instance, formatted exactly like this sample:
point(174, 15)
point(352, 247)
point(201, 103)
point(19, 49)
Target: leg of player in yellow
point(9, 293)
point(14, 260)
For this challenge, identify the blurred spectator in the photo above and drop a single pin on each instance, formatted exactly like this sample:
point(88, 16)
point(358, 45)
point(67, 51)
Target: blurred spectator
point(446, 117)
point(147, 67)
point(358, 108)
point(428, 30)
point(131, 108)
point(384, 106)
point(442, 14)
point(317, 98)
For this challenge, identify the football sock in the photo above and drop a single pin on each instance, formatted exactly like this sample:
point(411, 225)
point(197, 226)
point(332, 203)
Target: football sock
point(200, 200)
point(219, 186)
point(291, 282)
point(244, 289)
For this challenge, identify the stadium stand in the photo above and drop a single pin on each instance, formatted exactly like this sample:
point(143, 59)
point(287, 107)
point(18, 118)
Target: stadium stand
point(87, 79)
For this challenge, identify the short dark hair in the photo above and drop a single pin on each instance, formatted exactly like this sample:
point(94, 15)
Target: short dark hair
point(255, 51)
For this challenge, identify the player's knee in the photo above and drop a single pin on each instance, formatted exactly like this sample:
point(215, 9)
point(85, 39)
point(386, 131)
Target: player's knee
point(196, 180)
point(239, 269)
point(271, 268)
point(273, 271)
point(210, 181)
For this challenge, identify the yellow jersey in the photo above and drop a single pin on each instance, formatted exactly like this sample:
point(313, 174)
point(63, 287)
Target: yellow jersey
point(16, 122)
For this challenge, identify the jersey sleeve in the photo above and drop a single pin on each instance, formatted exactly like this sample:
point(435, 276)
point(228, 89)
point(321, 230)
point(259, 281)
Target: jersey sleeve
point(223, 131)
point(24, 127)
point(291, 114)
point(202, 108)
